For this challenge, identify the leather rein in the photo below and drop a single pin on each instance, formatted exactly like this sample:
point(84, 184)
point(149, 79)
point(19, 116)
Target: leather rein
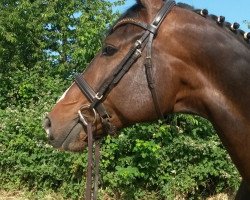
point(96, 99)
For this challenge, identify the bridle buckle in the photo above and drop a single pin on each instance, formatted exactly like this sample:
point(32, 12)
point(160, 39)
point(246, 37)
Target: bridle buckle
point(97, 96)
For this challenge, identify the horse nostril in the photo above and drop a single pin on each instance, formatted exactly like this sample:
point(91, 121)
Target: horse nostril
point(47, 123)
point(47, 127)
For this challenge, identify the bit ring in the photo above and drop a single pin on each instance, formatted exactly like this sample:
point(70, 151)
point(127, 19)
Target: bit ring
point(83, 119)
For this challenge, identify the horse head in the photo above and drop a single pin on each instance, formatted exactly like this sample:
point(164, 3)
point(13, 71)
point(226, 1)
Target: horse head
point(129, 101)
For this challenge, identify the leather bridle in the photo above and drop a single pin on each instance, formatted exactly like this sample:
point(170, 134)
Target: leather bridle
point(96, 99)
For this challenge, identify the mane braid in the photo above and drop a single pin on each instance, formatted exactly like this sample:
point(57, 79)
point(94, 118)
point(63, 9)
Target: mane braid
point(239, 33)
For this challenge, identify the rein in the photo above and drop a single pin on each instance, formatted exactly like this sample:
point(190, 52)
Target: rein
point(92, 163)
point(96, 98)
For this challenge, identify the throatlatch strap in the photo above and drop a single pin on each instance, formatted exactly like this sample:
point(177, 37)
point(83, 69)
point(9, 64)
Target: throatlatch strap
point(150, 79)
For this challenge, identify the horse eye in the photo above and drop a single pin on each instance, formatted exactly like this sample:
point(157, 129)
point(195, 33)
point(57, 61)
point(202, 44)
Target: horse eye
point(109, 50)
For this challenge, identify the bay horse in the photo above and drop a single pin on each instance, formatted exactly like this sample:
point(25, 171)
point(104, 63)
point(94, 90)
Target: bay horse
point(192, 63)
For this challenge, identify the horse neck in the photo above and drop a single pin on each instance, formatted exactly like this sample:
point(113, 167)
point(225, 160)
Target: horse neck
point(209, 59)
point(212, 68)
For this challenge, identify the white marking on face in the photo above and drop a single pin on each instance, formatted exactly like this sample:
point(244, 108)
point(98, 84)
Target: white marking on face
point(64, 94)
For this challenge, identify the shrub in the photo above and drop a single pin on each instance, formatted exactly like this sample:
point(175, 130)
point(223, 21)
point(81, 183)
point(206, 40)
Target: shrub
point(146, 161)
point(28, 162)
point(184, 158)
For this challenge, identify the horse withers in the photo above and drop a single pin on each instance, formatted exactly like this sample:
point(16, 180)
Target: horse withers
point(157, 60)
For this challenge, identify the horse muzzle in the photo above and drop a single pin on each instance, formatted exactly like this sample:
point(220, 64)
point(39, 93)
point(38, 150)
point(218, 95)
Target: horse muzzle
point(72, 138)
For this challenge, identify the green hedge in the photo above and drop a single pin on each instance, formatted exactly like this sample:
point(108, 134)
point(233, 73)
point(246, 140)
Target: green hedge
point(28, 162)
point(184, 158)
point(148, 161)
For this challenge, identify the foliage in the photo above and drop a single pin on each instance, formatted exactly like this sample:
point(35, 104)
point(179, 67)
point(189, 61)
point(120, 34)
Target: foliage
point(42, 44)
point(184, 158)
point(46, 39)
point(27, 160)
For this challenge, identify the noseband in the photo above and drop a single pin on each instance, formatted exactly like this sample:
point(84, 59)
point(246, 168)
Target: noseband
point(96, 99)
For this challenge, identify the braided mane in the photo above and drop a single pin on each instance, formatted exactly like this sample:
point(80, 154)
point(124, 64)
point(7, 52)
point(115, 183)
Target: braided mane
point(239, 34)
point(132, 13)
